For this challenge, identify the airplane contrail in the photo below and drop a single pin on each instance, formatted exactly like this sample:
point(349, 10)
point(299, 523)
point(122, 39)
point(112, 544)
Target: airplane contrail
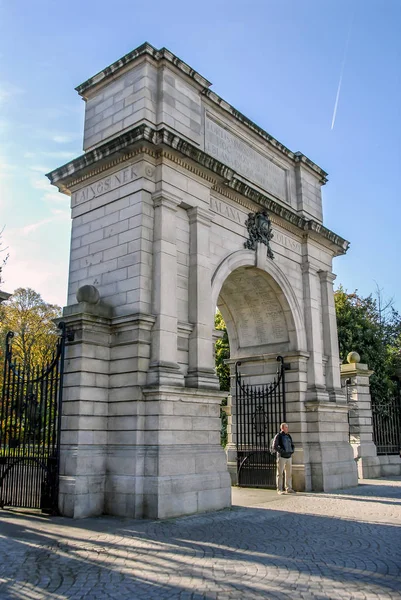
point(342, 71)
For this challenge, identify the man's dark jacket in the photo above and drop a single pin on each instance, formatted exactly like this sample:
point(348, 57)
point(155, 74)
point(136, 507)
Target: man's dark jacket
point(279, 445)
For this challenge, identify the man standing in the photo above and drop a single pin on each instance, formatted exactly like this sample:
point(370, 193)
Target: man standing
point(284, 447)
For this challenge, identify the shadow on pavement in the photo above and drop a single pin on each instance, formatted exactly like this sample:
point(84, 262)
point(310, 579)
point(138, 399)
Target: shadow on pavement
point(237, 553)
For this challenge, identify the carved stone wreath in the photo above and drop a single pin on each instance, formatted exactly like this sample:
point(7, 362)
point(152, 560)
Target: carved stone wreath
point(260, 230)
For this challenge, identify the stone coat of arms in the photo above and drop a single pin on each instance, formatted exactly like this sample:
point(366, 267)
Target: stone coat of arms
point(259, 230)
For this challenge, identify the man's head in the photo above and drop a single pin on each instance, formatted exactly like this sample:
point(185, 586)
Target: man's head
point(284, 427)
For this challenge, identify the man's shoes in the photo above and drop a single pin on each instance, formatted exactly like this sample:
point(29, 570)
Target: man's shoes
point(280, 492)
point(290, 491)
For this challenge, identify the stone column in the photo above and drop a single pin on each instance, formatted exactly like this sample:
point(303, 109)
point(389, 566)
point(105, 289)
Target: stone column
point(356, 376)
point(330, 336)
point(316, 383)
point(164, 368)
point(331, 465)
point(83, 442)
point(201, 372)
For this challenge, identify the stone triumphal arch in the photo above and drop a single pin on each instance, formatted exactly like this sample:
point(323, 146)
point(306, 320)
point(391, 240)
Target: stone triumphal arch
point(181, 204)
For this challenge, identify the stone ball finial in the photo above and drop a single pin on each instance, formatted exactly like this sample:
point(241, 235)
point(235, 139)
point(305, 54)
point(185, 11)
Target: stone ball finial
point(89, 294)
point(353, 357)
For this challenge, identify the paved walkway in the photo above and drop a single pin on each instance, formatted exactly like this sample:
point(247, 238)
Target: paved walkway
point(311, 546)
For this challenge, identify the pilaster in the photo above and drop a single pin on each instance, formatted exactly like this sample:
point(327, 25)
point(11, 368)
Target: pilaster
point(201, 371)
point(164, 368)
point(330, 337)
point(330, 455)
point(312, 308)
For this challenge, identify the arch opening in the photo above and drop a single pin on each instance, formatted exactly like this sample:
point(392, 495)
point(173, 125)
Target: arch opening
point(257, 314)
point(260, 326)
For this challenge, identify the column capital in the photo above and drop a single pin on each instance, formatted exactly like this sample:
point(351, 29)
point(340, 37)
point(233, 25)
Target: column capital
point(327, 276)
point(309, 268)
point(196, 214)
point(163, 198)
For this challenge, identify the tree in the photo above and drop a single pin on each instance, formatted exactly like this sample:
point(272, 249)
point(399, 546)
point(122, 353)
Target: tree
point(222, 352)
point(4, 257)
point(33, 346)
point(31, 320)
point(372, 327)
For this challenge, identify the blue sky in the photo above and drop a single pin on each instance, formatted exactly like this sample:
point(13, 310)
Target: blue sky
point(277, 61)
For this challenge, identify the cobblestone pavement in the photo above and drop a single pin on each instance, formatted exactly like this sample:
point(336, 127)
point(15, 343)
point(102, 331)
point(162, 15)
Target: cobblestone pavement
point(311, 546)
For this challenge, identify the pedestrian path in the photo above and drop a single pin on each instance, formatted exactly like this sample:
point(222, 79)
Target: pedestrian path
point(344, 545)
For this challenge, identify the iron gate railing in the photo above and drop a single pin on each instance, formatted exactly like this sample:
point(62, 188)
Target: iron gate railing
point(260, 408)
point(387, 425)
point(30, 418)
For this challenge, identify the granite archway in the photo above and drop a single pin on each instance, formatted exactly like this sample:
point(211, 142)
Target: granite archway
point(161, 201)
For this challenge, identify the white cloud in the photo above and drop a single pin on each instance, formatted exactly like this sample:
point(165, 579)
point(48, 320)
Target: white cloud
point(41, 184)
point(60, 111)
point(9, 90)
point(6, 170)
point(39, 169)
point(55, 196)
point(50, 280)
point(64, 138)
point(33, 263)
point(63, 155)
point(51, 195)
point(34, 226)
point(58, 215)
point(3, 126)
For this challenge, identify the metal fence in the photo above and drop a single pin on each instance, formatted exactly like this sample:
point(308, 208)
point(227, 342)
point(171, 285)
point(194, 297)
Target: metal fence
point(30, 417)
point(260, 408)
point(387, 425)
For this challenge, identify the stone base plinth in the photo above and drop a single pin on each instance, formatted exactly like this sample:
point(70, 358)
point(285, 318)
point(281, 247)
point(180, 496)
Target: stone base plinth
point(175, 480)
point(176, 467)
point(329, 454)
point(366, 458)
point(300, 477)
point(332, 466)
point(82, 480)
point(185, 466)
point(81, 496)
point(390, 465)
point(189, 480)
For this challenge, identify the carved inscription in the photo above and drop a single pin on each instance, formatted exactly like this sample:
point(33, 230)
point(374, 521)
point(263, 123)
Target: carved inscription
point(107, 184)
point(226, 210)
point(238, 216)
point(287, 242)
point(240, 156)
point(257, 312)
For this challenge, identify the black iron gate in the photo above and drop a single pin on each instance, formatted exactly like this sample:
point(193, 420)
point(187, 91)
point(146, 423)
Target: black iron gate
point(260, 409)
point(30, 416)
point(387, 423)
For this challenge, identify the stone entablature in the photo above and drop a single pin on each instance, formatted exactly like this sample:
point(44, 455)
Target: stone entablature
point(75, 173)
point(154, 87)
